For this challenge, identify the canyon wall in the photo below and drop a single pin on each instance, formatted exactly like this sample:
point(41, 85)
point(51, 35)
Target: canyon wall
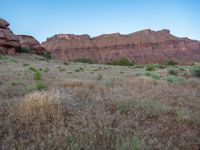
point(145, 46)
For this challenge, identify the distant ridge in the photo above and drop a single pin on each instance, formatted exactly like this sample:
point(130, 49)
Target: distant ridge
point(146, 46)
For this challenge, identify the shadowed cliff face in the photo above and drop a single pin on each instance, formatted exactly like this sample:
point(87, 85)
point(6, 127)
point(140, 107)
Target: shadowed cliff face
point(145, 46)
point(30, 42)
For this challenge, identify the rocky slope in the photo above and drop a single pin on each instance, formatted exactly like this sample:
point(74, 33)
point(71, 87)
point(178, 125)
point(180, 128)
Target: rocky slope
point(9, 42)
point(145, 46)
point(29, 42)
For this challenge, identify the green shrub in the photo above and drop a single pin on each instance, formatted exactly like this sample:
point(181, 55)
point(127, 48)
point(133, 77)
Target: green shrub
point(40, 86)
point(173, 79)
point(32, 69)
point(66, 63)
point(151, 68)
point(37, 76)
point(123, 108)
point(99, 77)
point(134, 143)
point(171, 63)
point(25, 50)
point(153, 75)
point(122, 62)
point(161, 66)
point(84, 60)
point(46, 70)
point(25, 65)
point(47, 55)
point(195, 71)
point(2, 57)
point(173, 71)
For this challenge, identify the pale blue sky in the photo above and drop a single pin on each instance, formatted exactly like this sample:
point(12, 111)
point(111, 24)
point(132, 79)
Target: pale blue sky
point(44, 18)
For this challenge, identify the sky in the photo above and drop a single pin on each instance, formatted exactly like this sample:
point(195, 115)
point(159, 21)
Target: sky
point(45, 18)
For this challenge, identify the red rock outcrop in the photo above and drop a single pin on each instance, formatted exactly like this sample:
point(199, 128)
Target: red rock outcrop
point(29, 42)
point(145, 46)
point(9, 42)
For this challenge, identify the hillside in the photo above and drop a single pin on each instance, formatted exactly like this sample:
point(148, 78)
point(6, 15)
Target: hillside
point(54, 104)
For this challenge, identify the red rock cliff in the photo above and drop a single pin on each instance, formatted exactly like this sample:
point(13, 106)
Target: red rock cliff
point(9, 42)
point(145, 46)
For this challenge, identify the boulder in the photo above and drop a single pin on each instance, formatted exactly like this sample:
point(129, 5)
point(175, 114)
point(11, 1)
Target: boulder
point(9, 42)
point(30, 43)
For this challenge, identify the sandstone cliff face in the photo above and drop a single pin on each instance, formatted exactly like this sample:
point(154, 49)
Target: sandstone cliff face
point(30, 42)
point(145, 46)
point(9, 42)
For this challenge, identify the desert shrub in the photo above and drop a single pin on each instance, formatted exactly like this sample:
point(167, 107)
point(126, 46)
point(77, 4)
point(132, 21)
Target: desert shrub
point(139, 66)
point(181, 68)
point(153, 75)
point(26, 65)
point(195, 71)
point(37, 76)
point(151, 68)
point(40, 86)
point(99, 77)
point(187, 115)
point(66, 63)
point(32, 69)
point(42, 107)
point(171, 63)
point(173, 71)
point(122, 62)
point(173, 79)
point(46, 70)
point(134, 143)
point(47, 55)
point(161, 66)
point(84, 60)
point(152, 108)
point(123, 108)
point(1, 57)
point(25, 50)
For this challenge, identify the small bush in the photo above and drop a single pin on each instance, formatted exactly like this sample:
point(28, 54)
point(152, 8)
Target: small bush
point(135, 143)
point(37, 76)
point(151, 68)
point(173, 71)
point(99, 77)
point(66, 63)
point(84, 60)
point(32, 69)
point(41, 107)
point(40, 86)
point(25, 50)
point(195, 71)
point(171, 63)
point(123, 108)
point(47, 55)
point(161, 66)
point(46, 70)
point(152, 75)
point(25, 65)
point(122, 62)
point(173, 79)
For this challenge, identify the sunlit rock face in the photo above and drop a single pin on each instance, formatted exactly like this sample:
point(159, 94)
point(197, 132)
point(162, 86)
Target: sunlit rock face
point(9, 42)
point(144, 47)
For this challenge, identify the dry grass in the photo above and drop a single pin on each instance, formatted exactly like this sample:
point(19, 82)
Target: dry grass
point(40, 106)
point(112, 113)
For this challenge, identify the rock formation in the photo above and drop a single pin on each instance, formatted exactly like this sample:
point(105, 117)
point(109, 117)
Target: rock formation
point(30, 43)
point(145, 46)
point(9, 42)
